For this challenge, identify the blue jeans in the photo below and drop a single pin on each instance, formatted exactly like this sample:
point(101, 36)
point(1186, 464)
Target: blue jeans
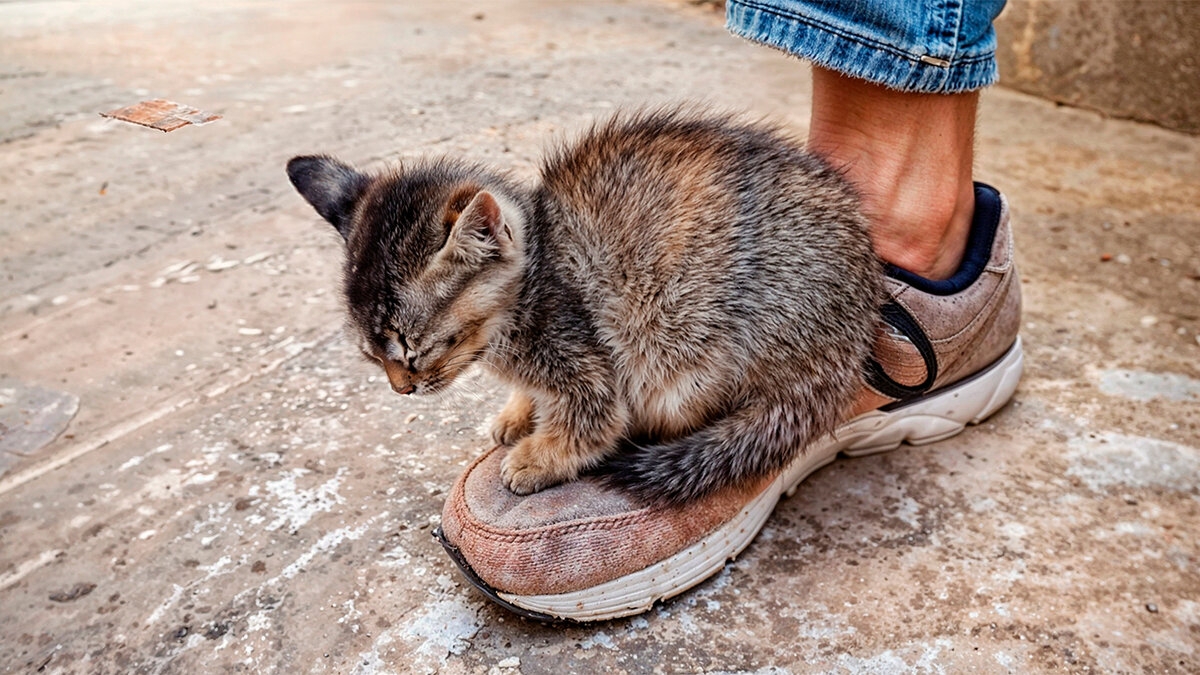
point(935, 46)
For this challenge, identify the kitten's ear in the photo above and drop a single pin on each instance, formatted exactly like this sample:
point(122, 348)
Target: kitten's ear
point(332, 187)
point(480, 231)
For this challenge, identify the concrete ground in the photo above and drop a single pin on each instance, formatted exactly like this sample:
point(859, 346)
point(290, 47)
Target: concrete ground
point(238, 492)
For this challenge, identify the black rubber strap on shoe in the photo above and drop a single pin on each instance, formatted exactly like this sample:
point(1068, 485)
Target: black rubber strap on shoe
point(897, 317)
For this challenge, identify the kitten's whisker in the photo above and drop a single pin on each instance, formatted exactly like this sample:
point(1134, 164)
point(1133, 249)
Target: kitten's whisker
point(445, 369)
point(504, 349)
point(470, 356)
point(458, 394)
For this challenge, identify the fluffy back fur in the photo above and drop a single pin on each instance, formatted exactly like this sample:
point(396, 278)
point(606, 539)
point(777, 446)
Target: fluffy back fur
point(685, 299)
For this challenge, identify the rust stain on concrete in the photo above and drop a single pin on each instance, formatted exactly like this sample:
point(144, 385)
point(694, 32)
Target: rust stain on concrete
point(161, 114)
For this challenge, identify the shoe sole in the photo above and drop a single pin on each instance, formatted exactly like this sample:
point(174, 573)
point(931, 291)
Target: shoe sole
point(934, 417)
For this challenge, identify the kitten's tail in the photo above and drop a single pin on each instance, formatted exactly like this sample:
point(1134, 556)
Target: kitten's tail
point(749, 443)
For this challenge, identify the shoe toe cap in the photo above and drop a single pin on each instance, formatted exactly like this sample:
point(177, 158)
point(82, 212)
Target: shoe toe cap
point(571, 536)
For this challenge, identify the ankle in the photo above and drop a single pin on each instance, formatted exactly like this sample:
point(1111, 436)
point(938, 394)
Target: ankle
point(920, 216)
point(909, 156)
point(926, 236)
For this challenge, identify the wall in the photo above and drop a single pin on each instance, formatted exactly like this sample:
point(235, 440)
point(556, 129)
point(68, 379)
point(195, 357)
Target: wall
point(1129, 59)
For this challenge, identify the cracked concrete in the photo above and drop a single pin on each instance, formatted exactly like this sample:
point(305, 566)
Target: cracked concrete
point(237, 492)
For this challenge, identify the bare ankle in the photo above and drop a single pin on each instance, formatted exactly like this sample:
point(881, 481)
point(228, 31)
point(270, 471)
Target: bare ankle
point(909, 156)
point(929, 238)
point(920, 221)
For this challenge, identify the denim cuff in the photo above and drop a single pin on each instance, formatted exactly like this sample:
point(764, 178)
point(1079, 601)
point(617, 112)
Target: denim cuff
point(856, 55)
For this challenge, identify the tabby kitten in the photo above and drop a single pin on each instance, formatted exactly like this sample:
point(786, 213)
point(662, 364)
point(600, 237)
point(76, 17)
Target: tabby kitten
point(689, 297)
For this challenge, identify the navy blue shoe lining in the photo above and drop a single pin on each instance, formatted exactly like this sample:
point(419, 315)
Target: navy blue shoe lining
point(979, 248)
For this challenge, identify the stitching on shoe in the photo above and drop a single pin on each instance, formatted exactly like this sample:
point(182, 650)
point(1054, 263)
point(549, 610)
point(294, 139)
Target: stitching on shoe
point(470, 525)
point(1009, 249)
point(480, 528)
point(989, 305)
point(987, 312)
point(994, 304)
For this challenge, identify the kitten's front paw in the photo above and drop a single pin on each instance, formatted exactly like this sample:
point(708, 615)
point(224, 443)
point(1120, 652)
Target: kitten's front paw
point(513, 423)
point(534, 464)
point(508, 430)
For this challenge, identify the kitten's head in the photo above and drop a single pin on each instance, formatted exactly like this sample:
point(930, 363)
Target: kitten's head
point(433, 256)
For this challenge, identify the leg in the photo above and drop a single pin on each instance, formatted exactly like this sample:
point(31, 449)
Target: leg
point(515, 421)
point(893, 106)
point(909, 154)
point(571, 436)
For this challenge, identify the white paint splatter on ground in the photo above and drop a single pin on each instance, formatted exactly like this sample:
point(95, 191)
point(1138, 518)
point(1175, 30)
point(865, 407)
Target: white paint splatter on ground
point(222, 566)
point(132, 462)
point(907, 511)
point(921, 658)
point(258, 621)
point(765, 670)
point(295, 506)
point(162, 486)
point(396, 557)
point(442, 628)
point(1143, 386)
point(1108, 459)
point(820, 623)
point(201, 478)
point(884, 663)
point(261, 620)
point(330, 541)
point(599, 639)
point(445, 627)
point(371, 662)
point(165, 605)
point(1126, 529)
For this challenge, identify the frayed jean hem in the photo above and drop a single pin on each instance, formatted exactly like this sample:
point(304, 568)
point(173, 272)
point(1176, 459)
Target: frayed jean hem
point(856, 55)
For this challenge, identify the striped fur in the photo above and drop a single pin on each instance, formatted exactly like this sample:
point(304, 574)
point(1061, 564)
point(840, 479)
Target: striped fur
point(682, 302)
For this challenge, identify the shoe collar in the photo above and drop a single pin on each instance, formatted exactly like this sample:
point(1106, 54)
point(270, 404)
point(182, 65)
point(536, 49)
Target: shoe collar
point(984, 223)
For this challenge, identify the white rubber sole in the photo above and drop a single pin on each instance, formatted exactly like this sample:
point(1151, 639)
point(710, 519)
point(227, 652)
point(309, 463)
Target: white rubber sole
point(926, 420)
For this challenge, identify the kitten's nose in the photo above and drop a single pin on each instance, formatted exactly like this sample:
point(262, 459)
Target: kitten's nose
point(400, 380)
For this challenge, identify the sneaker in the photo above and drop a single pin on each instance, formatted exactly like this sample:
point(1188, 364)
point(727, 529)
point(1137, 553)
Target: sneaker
point(947, 355)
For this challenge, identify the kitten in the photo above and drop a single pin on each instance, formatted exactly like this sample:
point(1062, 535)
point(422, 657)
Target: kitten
point(687, 296)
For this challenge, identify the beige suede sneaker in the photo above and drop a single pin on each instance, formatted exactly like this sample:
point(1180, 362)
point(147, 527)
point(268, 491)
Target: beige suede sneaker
point(947, 355)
